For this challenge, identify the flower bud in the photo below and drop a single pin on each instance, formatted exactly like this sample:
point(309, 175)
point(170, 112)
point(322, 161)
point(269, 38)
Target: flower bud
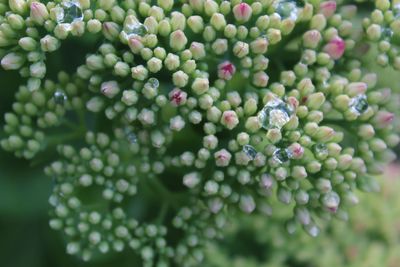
point(229, 119)
point(196, 24)
point(39, 12)
point(12, 61)
point(242, 12)
point(177, 123)
point(226, 70)
point(197, 50)
point(109, 89)
point(191, 180)
point(241, 49)
point(247, 204)
point(177, 40)
point(218, 21)
point(111, 30)
point(327, 8)
point(28, 43)
point(177, 97)
point(200, 85)
point(139, 73)
point(311, 39)
point(49, 43)
point(259, 46)
point(222, 158)
point(335, 48)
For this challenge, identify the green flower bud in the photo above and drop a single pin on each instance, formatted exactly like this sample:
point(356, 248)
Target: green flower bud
point(154, 65)
point(165, 4)
point(139, 73)
point(38, 70)
point(196, 24)
point(121, 69)
point(171, 62)
point(49, 43)
point(274, 36)
point(218, 21)
point(178, 21)
point(177, 40)
point(241, 49)
point(16, 21)
point(111, 30)
point(200, 85)
point(180, 79)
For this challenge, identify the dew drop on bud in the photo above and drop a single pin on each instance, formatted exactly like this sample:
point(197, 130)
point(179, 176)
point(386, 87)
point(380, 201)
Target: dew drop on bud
point(275, 114)
point(59, 97)
point(288, 9)
point(130, 135)
point(69, 12)
point(250, 151)
point(358, 105)
point(281, 155)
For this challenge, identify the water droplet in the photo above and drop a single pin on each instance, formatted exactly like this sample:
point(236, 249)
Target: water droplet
point(282, 155)
point(69, 12)
point(59, 97)
point(387, 33)
point(135, 28)
point(153, 83)
point(250, 151)
point(320, 150)
point(358, 104)
point(275, 114)
point(288, 8)
point(131, 136)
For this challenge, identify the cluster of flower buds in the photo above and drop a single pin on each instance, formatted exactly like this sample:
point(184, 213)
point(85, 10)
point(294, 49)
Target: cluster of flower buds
point(195, 110)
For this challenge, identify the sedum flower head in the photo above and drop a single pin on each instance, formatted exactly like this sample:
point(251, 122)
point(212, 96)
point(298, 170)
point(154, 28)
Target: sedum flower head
point(183, 114)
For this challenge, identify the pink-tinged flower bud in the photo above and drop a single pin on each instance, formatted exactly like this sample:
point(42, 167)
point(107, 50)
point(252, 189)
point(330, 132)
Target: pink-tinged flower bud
point(177, 97)
point(222, 158)
point(177, 40)
point(109, 89)
point(324, 133)
point(111, 30)
point(383, 119)
point(39, 12)
point(327, 8)
point(266, 181)
point(12, 61)
point(335, 48)
point(356, 88)
point(242, 12)
point(296, 151)
point(226, 70)
point(293, 102)
point(135, 44)
point(311, 38)
point(229, 119)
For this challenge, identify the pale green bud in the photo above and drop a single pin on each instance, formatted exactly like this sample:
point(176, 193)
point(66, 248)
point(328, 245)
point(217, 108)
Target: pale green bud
point(177, 40)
